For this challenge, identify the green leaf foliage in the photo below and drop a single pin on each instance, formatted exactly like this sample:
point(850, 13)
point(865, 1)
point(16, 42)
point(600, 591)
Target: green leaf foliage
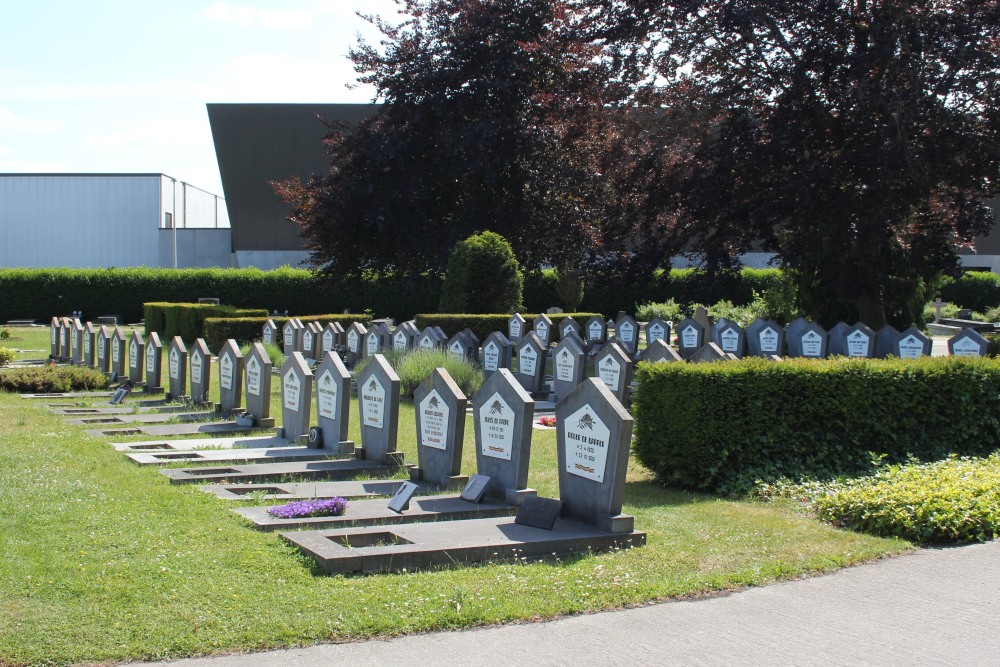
point(187, 320)
point(52, 379)
point(6, 355)
point(483, 276)
point(415, 366)
point(247, 329)
point(722, 427)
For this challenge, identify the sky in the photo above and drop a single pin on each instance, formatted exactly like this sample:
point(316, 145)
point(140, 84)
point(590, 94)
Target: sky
point(113, 86)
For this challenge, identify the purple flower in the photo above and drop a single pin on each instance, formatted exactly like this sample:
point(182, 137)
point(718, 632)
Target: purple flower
point(298, 509)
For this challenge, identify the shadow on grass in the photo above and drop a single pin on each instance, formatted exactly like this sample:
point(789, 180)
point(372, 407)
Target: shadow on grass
point(651, 494)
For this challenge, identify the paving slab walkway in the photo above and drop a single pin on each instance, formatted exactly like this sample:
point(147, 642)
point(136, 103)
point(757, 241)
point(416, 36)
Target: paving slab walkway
point(930, 607)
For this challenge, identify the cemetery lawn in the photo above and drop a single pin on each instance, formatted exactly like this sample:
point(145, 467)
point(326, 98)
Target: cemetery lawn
point(104, 561)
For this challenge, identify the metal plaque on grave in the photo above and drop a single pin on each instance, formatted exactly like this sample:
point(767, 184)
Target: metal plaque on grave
point(765, 338)
point(201, 371)
point(177, 368)
point(542, 326)
point(89, 345)
point(660, 351)
point(835, 343)
point(731, 338)
point(496, 353)
point(296, 395)
point(690, 337)
point(593, 433)
point(627, 335)
point(55, 337)
point(531, 359)
point(569, 326)
point(885, 341)
point(119, 361)
point(154, 363)
point(103, 349)
point(810, 341)
point(657, 329)
point(912, 343)
point(231, 372)
point(76, 333)
point(502, 413)
point(257, 387)
point(516, 327)
point(614, 369)
point(596, 330)
point(378, 407)
point(333, 403)
point(569, 365)
point(858, 341)
point(269, 333)
point(136, 361)
point(440, 411)
point(968, 343)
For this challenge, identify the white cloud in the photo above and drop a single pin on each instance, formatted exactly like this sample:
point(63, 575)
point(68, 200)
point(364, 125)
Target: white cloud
point(34, 167)
point(12, 123)
point(156, 136)
point(251, 16)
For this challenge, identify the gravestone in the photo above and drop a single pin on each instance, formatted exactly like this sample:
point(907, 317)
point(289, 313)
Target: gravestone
point(810, 341)
point(55, 338)
point(542, 326)
point(231, 372)
point(378, 407)
point(627, 335)
point(355, 338)
point(269, 333)
point(440, 411)
point(65, 340)
point(405, 336)
point(968, 343)
point(333, 404)
point(531, 358)
point(859, 341)
point(177, 368)
point(657, 329)
point(614, 369)
point(135, 360)
point(311, 342)
point(103, 349)
point(378, 340)
point(463, 347)
point(765, 338)
point(119, 355)
point(658, 351)
point(257, 387)
point(708, 353)
point(702, 317)
point(332, 337)
point(792, 332)
point(89, 345)
point(597, 330)
point(288, 336)
point(568, 327)
point(428, 339)
point(730, 337)
point(154, 364)
point(201, 371)
point(912, 343)
point(885, 341)
point(690, 337)
point(594, 435)
point(502, 414)
point(296, 395)
point(569, 365)
point(835, 343)
point(496, 353)
point(76, 334)
point(516, 327)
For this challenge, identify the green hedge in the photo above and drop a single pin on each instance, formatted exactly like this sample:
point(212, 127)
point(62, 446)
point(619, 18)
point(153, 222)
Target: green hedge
point(721, 427)
point(484, 325)
point(187, 320)
point(51, 379)
point(247, 329)
point(975, 290)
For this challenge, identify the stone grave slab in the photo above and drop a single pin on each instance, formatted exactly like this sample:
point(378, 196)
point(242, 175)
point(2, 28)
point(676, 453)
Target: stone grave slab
point(177, 369)
point(569, 326)
point(136, 360)
point(65, 339)
point(378, 405)
point(405, 336)
point(809, 340)
point(148, 417)
point(885, 341)
point(569, 365)
point(377, 340)
point(231, 372)
point(55, 338)
point(310, 342)
point(332, 337)
point(257, 385)
point(627, 335)
point(690, 337)
point(333, 404)
point(532, 354)
point(316, 489)
point(496, 353)
point(428, 339)
point(327, 469)
point(730, 337)
point(516, 327)
point(269, 333)
point(912, 343)
point(440, 424)
point(71, 395)
point(171, 430)
point(765, 338)
point(660, 351)
point(288, 336)
point(200, 366)
point(835, 340)
point(968, 343)
point(462, 347)
point(596, 330)
point(104, 349)
point(354, 337)
point(76, 339)
point(709, 352)
point(614, 370)
point(502, 414)
point(657, 329)
point(192, 444)
point(89, 345)
point(859, 341)
point(119, 363)
point(153, 361)
point(235, 455)
point(296, 396)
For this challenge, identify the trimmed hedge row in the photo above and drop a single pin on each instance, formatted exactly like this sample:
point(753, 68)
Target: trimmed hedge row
point(721, 427)
point(50, 379)
point(484, 325)
point(247, 329)
point(187, 320)
point(975, 290)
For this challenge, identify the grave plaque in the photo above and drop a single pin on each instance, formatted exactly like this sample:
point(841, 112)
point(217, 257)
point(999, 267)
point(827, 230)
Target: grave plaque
point(657, 329)
point(378, 405)
point(332, 337)
point(55, 337)
point(765, 338)
point(539, 512)
point(201, 371)
point(597, 330)
point(496, 353)
point(103, 349)
point(475, 489)
point(593, 434)
point(885, 341)
point(568, 327)
point(531, 358)
point(542, 326)
point(516, 327)
point(614, 369)
point(257, 367)
point(269, 334)
point(502, 412)
point(859, 341)
point(400, 502)
point(835, 345)
point(569, 365)
point(89, 345)
point(355, 337)
point(627, 335)
point(135, 360)
point(690, 337)
point(658, 351)
point(912, 343)
point(177, 367)
point(76, 333)
point(968, 343)
point(440, 411)
point(296, 395)
point(119, 363)
point(154, 364)
point(231, 372)
point(333, 404)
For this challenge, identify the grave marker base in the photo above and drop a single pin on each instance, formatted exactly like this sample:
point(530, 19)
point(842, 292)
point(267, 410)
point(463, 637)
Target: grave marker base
point(448, 543)
point(226, 456)
point(130, 417)
point(304, 490)
point(391, 458)
point(449, 482)
point(183, 429)
point(272, 472)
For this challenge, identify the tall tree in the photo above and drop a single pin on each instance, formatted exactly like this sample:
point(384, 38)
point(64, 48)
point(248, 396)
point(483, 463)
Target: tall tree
point(856, 138)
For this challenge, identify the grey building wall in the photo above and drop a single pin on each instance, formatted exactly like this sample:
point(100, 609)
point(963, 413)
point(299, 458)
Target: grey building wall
point(195, 248)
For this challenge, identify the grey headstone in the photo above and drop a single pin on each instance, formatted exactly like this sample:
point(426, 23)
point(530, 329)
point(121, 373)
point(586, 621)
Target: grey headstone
point(569, 326)
point(378, 407)
point(627, 335)
point(257, 386)
point(496, 352)
point(331, 338)
point(378, 340)
point(428, 339)
point(55, 337)
point(690, 337)
point(462, 347)
point(354, 339)
point(835, 340)
point(475, 489)
point(912, 343)
point(104, 349)
point(269, 333)
point(569, 365)
point(657, 329)
point(539, 512)
point(65, 341)
point(516, 327)
point(542, 326)
point(531, 359)
point(858, 341)
point(200, 364)
point(810, 341)
point(658, 351)
point(730, 337)
point(594, 434)
point(502, 412)
point(709, 352)
point(440, 410)
point(968, 343)
point(296, 395)
point(311, 342)
point(154, 363)
point(119, 355)
point(288, 336)
point(405, 336)
point(89, 345)
point(231, 372)
point(614, 370)
point(76, 334)
point(792, 336)
point(333, 403)
point(702, 317)
point(596, 330)
point(135, 360)
point(885, 341)
point(177, 368)
point(765, 338)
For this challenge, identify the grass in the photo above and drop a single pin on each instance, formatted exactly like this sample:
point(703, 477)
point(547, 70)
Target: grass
point(105, 561)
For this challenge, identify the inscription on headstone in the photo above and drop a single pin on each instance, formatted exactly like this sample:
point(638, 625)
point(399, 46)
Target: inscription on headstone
point(502, 413)
point(569, 365)
point(968, 343)
point(597, 330)
point(201, 371)
point(333, 403)
point(440, 411)
point(258, 381)
point(296, 395)
point(136, 359)
point(516, 327)
point(531, 359)
point(614, 369)
point(177, 366)
point(496, 353)
point(378, 401)
point(231, 372)
point(690, 337)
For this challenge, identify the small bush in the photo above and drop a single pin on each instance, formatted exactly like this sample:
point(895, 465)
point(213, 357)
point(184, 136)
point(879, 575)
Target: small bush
point(415, 366)
point(570, 288)
point(52, 379)
point(274, 353)
point(668, 310)
point(4, 333)
point(482, 276)
point(6, 355)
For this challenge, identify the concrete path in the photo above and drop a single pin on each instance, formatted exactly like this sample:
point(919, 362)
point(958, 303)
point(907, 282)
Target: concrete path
point(931, 607)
